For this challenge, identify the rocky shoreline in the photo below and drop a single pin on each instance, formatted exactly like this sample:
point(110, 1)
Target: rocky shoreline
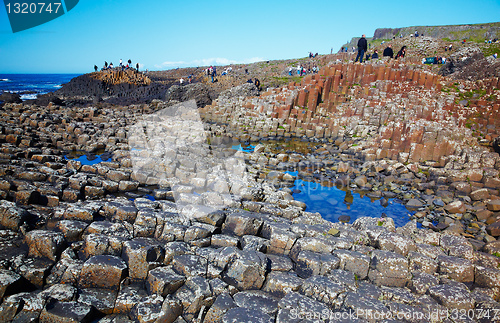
point(81, 243)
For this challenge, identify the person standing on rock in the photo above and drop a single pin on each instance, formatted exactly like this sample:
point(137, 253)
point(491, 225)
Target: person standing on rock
point(388, 52)
point(362, 48)
point(95, 68)
point(137, 67)
point(401, 53)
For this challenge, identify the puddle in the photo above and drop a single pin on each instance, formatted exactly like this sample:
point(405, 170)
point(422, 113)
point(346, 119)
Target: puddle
point(332, 203)
point(88, 159)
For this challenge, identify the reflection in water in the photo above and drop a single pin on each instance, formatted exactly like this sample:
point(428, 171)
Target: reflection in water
point(325, 200)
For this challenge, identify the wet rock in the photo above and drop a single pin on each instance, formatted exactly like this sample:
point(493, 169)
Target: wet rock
point(142, 255)
point(66, 312)
point(480, 194)
point(493, 205)
point(163, 281)
point(456, 207)
point(452, 296)
point(222, 304)
point(493, 229)
point(281, 283)
point(43, 243)
point(103, 272)
point(246, 315)
point(388, 269)
point(414, 203)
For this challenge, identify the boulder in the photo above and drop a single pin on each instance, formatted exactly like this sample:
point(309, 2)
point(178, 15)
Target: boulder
point(103, 272)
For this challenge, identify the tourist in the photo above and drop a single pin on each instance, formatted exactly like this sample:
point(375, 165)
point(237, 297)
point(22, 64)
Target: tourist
point(362, 48)
point(137, 67)
point(388, 52)
point(375, 54)
point(257, 83)
point(105, 65)
point(401, 52)
point(95, 68)
point(416, 33)
point(111, 65)
point(181, 81)
point(290, 71)
point(495, 55)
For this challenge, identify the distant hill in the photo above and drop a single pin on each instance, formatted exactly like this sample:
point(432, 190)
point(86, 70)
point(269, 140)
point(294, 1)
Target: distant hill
point(472, 33)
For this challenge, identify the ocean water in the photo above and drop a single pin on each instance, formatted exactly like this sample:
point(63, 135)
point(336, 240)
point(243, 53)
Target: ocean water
point(32, 85)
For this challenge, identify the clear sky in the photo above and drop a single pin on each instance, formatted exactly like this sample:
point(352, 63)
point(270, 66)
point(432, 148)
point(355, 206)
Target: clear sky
point(163, 34)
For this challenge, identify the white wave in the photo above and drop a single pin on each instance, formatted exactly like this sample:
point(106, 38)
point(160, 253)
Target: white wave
point(5, 80)
point(25, 97)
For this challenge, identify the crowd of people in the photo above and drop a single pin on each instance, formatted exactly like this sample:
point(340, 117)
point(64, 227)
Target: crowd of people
point(123, 66)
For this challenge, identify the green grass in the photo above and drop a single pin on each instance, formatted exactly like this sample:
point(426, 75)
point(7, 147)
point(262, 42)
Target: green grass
point(491, 49)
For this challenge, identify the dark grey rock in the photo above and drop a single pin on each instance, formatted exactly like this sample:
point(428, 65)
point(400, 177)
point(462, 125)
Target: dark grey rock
point(142, 255)
point(458, 269)
point(324, 290)
point(247, 270)
point(258, 301)
point(245, 315)
point(388, 269)
point(452, 296)
point(281, 283)
point(43, 243)
point(353, 261)
point(103, 272)
point(163, 281)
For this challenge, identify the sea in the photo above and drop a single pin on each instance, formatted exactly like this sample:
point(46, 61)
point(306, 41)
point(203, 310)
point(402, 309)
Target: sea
point(29, 86)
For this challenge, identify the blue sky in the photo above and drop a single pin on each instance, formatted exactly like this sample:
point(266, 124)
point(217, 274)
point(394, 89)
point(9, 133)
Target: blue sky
point(167, 34)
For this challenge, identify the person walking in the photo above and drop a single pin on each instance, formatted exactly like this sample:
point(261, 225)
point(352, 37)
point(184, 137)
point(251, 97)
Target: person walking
point(362, 48)
point(388, 51)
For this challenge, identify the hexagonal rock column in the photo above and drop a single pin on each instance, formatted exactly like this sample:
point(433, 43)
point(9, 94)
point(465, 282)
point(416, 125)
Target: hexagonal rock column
point(103, 272)
point(43, 243)
point(388, 269)
point(142, 255)
point(247, 270)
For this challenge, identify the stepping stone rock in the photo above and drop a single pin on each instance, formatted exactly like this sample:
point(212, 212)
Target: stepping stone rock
point(66, 312)
point(243, 223)
point(459, 269)
point(353, 261)
point(388, 269)
point(247, 270)
point(9, 281)
point(324, 290)
point(457, 246)
point(102, 299)
point(456, 207)
point(192, 295)
point(258, 301)
point(493, 229)
point(493, 205)
point(103, 272)
point(452, 296)
point(163, 281)
point(222, 304)
point(487, 277)
point(367, 308)
point(11, 216)
point(311, 263)
point(43, 243)
point(246, 315)
point(142, 255)
point(281, 283)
